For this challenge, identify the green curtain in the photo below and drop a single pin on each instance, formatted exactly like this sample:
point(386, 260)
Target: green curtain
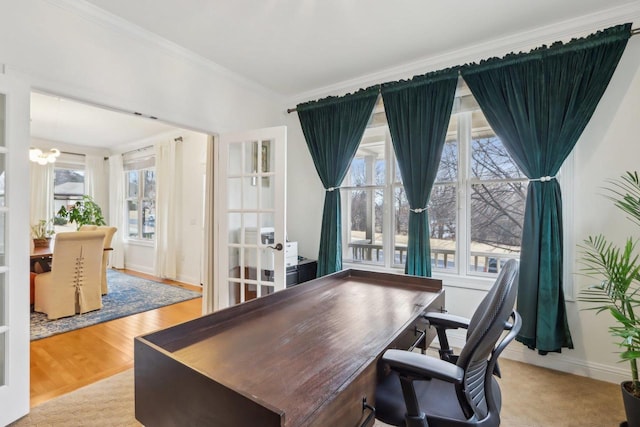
point(418, 113)
point(333, 128)
point(538, 104)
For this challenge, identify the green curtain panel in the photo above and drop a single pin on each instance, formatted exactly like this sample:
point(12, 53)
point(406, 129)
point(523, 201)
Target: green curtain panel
point(333, 128)
point(418, 113)
point(538, 104)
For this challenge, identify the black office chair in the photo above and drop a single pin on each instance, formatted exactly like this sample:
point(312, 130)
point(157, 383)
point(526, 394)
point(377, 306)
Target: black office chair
point(423, 391)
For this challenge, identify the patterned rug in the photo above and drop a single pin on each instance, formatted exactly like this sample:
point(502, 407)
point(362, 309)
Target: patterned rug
point(127, 295)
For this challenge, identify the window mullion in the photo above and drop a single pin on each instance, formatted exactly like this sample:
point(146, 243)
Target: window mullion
point(463, 240)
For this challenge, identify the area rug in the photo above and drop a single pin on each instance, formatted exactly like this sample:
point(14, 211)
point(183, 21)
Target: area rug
point(127, 295)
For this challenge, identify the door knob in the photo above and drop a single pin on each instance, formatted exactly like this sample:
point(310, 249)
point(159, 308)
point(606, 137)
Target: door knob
point(277, 247)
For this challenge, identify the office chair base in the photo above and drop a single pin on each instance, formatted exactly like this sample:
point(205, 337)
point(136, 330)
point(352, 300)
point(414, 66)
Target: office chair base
point(417, 421)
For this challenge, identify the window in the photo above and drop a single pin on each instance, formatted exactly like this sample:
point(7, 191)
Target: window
point(68, 184)
point(140, 195)
point(476, 207)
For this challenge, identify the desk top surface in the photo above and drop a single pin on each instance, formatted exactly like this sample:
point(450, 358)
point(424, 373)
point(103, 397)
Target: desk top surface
point(295, 352)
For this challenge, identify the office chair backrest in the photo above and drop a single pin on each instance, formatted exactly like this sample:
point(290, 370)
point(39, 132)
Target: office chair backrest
point(485, 329)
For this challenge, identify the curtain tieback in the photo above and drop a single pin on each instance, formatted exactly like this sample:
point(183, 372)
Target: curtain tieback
point(419, 210)
point(543, 179)
point(332, 188)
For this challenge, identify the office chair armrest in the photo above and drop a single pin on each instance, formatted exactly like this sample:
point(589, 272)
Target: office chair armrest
point(446, 320)
point(421, 366)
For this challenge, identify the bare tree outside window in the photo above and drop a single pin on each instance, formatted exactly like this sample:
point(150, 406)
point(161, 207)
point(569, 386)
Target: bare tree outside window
point(476, 178)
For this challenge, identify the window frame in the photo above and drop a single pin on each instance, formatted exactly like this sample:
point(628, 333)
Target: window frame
point(140, 203)
point(73, 162)
point(461, 275)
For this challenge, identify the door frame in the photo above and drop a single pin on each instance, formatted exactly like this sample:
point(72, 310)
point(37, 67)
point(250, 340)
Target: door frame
point(279, 134)
point(14, 395)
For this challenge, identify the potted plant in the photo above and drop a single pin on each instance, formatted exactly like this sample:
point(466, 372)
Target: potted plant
point(85, 211)
point(618, 268)
point(41, 233)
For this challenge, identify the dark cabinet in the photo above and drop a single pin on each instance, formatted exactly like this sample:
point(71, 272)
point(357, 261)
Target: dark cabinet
point(303, 272)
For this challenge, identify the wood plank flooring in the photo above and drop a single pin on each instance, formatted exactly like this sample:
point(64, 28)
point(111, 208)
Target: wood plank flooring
point(65, 362)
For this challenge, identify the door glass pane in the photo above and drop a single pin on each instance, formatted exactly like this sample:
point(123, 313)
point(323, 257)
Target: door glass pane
point(234, 190)
point(3, 301)
point(267, 221)
point(3, 100)
point(3, 352)
point(250, 193)
point(234, 293)
point(251, 157)
point(266, 157)
point(251, 261)
point(3, 246)
point(267, 195)
point(3, 163)
point(233, 227)
point(234, 262)
point(250, 224)
point(235, 159)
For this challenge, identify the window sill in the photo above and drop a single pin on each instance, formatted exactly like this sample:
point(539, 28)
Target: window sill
point(448, 279)
point(144, 243)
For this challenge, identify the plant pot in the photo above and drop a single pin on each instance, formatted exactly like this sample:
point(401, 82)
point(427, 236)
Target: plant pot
point(631, 405)
point(42, 243)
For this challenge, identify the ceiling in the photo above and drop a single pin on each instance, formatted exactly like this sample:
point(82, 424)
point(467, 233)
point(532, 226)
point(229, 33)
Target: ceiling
point(62, 120)
point(295, 46)
point(299, 46)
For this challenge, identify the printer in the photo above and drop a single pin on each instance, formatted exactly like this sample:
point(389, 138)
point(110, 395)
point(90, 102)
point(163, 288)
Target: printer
point(264, 235)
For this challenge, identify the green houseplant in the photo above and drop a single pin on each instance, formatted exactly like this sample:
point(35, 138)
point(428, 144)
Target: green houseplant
point(618, 269)
point(82, 212)
point(41, 233)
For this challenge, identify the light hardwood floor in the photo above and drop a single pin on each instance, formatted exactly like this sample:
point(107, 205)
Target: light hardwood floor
point(65, 362)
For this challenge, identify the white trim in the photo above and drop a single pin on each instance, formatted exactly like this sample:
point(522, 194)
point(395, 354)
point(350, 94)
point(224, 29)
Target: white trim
point(556, 361)
point(524, 41)
point(139, 268)
point(99, 16)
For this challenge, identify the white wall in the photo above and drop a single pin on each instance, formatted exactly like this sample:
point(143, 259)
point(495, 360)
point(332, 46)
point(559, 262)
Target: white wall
point(609, 146)
point(58, 49)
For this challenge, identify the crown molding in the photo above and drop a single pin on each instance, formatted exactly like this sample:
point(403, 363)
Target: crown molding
point(92, 13)
point(527, 40)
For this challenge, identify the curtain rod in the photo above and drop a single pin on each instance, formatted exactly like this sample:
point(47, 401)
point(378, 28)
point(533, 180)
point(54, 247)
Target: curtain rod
point(138, 149)
point(634, 32)
point(148, 147)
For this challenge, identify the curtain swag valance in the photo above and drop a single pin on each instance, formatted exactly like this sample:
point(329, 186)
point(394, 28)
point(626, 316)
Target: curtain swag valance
point(612, 34)
point(332, 100)
point(421, 80)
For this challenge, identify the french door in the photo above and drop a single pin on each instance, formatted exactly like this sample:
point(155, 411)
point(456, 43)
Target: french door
point(251, 214)
point(14, 248)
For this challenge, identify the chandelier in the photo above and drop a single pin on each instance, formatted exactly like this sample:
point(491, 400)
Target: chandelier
point(42, 158)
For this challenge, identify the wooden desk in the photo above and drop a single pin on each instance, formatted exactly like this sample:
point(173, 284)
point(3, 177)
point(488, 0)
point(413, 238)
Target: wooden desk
point(305, 356)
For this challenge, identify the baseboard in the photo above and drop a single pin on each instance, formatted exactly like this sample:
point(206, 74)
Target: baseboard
point(189, 280)
point(556, 361)
point(140, 268)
